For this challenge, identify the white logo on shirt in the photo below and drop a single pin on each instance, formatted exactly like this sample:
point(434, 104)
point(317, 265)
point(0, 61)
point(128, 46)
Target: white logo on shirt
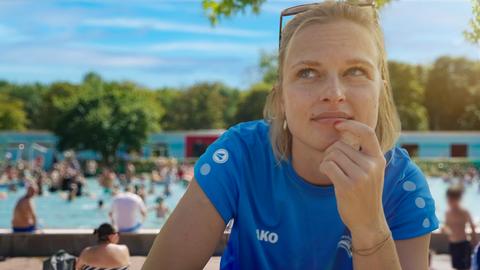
point(267, 236)
point(220, 156)
point(346, 243)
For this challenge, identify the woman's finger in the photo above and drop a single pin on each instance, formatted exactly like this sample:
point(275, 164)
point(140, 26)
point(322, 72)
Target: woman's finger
point(348, 167)
point(334, 173)
point(367, 136)
point(357, 157)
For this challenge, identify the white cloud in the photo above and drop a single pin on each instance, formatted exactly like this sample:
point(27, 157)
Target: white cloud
point(77, 57)
point(222, 47)
point(210, 46)
point(140, 23)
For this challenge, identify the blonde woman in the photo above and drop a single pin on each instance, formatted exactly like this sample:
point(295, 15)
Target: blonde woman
point(318, 184)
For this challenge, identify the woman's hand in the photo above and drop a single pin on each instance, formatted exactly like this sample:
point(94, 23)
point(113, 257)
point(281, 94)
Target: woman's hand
point(357, 176)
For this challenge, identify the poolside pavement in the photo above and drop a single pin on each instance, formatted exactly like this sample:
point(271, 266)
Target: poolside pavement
point(440, 262)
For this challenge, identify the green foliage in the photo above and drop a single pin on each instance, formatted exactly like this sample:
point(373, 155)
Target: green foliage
point(252, 102)
point(216, 9)
point(106, 117)
point(60, 95)
point(201, 106)
point(31, 97)
point(452, 88)
point(268, 67)
point(408, 89)
point(12, 114)
point(473, 35)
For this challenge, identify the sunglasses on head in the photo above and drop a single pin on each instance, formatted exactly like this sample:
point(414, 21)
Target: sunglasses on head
point(305, 7)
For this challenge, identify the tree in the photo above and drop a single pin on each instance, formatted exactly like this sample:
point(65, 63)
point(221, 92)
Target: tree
point(107, 117)
point(408, 89)
point(269, 67)
point(31, 97)
point(216, 9)
point(470, 119)
point(252, 102)
point(58, 98)
point(201, 106)
point(12, 114)
point(168, 98)
point(473, 35)
point(451, 87)
point(231, 97)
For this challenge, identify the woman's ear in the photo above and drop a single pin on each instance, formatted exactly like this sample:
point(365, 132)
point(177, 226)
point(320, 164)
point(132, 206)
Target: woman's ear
point(111, 238)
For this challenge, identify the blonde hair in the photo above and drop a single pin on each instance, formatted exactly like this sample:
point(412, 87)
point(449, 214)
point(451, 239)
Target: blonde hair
point(388, 125)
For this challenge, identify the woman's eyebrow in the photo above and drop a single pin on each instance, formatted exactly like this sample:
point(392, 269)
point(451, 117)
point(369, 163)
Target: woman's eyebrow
point(353, 61)
point(360, 61)
point(307, 63)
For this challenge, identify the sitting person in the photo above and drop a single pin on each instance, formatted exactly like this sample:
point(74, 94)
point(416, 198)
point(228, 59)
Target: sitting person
point(107, 254)
point(128, 211)
point(24, 217)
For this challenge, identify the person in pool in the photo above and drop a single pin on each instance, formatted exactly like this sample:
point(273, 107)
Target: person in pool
point(24, 215)
point(107, 254)
point(319, 183)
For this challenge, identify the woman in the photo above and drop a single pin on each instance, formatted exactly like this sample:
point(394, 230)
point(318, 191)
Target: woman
point(107, 254)
point(320, 183)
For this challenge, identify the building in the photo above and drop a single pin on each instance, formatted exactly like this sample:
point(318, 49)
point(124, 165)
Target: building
point(178, 144)
point(191, 144)
point(28, 145)
point(441, 144)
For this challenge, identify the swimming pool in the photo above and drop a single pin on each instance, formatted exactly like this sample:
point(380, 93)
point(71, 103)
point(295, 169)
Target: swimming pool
point(55, 212)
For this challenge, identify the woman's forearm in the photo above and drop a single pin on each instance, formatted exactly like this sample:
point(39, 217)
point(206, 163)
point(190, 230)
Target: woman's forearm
point(374, 249)
point(385, 258)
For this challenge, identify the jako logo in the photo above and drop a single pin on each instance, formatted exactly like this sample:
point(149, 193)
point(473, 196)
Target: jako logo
point(267, 236)
point(346, 243)
point(220, 156)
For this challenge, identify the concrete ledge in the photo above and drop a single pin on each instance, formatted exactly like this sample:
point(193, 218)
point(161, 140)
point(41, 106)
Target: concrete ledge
point(73, 241)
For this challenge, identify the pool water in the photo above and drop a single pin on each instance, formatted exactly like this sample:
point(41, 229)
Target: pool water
point(53, 211)
point(470, 199)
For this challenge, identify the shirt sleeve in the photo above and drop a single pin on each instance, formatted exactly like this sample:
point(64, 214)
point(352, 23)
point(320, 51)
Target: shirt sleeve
point(218, 172)
point(411, 212)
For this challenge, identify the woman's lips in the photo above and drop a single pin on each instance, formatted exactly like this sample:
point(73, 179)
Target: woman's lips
point(329, 120)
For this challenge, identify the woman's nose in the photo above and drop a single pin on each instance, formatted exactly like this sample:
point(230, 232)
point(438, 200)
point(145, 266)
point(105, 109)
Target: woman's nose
point(333, 90)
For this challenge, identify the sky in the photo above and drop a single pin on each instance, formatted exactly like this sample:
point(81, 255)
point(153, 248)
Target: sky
point(171, 42)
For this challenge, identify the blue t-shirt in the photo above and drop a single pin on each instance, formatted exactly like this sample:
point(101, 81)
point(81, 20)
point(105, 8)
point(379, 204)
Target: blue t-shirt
point(283, 222)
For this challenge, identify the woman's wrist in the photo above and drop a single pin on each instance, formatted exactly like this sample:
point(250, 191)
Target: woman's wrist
point(369, 237)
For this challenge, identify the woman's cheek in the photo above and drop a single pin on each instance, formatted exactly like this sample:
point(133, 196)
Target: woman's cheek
point(366, 107)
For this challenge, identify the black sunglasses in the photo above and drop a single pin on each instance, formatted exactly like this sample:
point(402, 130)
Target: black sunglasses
point(305, 7)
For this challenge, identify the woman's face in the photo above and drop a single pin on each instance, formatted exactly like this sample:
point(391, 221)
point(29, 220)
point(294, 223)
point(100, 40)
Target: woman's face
point(330, 73)
point(114, 238)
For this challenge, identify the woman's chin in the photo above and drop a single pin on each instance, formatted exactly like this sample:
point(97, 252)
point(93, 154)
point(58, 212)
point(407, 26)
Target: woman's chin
point(322, 142)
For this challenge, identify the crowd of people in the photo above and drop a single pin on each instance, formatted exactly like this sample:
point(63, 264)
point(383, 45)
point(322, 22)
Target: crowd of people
point(128, 190)
point(462, 176)
point(125, 188)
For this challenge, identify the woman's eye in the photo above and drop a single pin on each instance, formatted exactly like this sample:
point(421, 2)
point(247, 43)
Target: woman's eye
point(307, 73)
point(356, 71)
